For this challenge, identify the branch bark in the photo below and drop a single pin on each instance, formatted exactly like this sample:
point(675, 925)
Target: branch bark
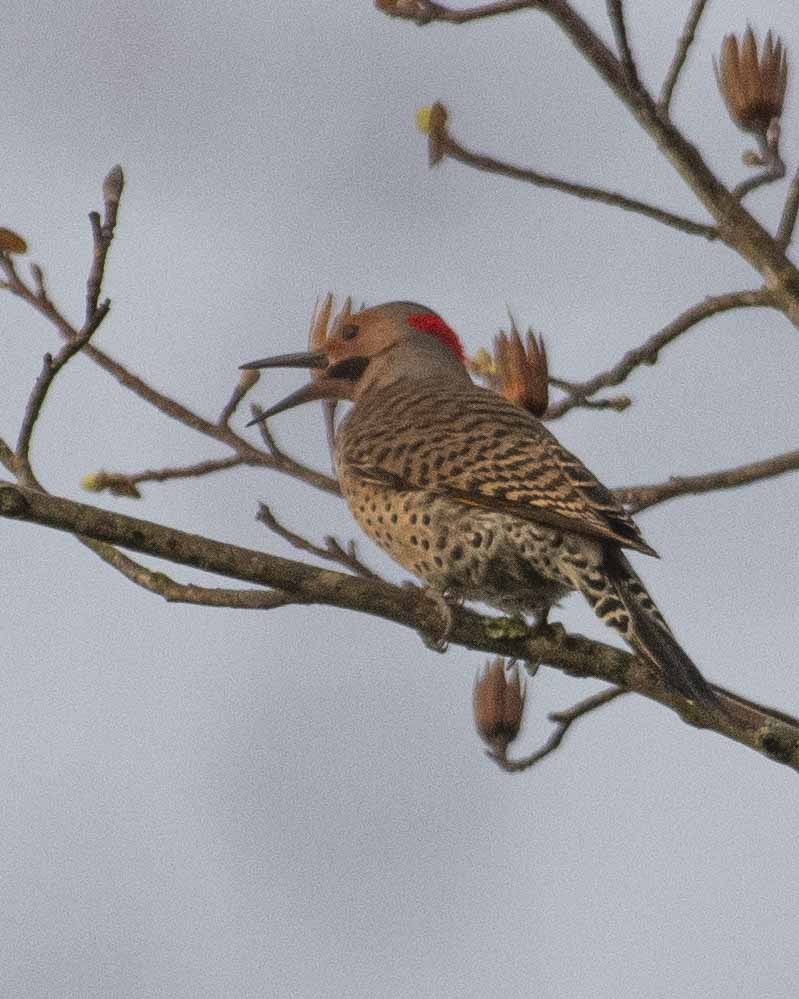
point(450, 147)
point(637, 498)
point(647, 353)
point(773, 734)
point(681, 54)
point(737, 228)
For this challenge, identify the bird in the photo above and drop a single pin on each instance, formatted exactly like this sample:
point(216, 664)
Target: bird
point(471, 493)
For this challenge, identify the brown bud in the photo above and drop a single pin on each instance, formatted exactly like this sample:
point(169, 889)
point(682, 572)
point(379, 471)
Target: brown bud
point(113, 482)
point(753, 88)
point(498, 700)
point(12, 242)
point(113, 184)
point(522, 375)
point(420, 10)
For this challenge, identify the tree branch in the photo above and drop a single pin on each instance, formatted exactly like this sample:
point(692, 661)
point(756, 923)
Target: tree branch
point(186, 593)
point(789, 213)
point(126, 484)
point(50, 368)
point(619, 25)
point(564, 721)
point(683, 45)
point(736, 226)
point(648, 352)
point(774, 735)
point(102, 235)
point(452, 148)
point(637, 498)
point(249, 454)
point(333, 552)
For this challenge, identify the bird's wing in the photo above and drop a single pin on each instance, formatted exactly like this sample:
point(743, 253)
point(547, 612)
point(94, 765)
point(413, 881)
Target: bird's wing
point(475, 446)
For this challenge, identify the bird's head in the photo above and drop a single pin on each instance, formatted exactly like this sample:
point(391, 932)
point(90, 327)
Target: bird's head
point(373, 347)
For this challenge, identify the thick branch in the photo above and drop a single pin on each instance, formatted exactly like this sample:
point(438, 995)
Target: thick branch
point(648, 352)
point(683, 45)
point(452, 148)
point(637, 498)
point(186, 593)
point(776, 736)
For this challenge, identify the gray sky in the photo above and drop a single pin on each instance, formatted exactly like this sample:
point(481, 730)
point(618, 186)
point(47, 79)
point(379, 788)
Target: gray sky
point(221, 803)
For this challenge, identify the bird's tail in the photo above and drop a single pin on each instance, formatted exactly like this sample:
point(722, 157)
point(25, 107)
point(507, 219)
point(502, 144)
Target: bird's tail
point(625, 605)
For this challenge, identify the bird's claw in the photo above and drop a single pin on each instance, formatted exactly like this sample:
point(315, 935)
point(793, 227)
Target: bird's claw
point(444, 603)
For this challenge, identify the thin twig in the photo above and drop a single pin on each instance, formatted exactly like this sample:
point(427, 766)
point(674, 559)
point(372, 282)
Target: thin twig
point(266, 433)
point(126, 483)
point(425, 11)
point(648, 352)
point(247, 382)
point(619, 25)
point(637, 498)
point(563, 722)
point(163, 403)
point(333, 552)
point(789, 213)
point(50, 368)
point(683, 45)
point(7, 457)
point(775, 170)
point(616, 402)
point(102, 236)
point(452, 148)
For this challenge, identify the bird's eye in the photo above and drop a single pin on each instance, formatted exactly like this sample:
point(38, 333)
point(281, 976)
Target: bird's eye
point(349, 332)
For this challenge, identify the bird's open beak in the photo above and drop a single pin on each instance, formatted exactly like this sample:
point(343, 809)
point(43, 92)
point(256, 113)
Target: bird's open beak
point(317, 389)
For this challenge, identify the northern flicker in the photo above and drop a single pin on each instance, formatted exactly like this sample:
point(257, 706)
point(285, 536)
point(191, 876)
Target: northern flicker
point(470, 492)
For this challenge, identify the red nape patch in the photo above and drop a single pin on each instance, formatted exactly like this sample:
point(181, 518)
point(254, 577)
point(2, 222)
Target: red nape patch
point(430, 323)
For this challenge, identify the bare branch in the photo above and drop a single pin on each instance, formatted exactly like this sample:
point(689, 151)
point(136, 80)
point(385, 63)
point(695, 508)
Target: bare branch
point(776, 736)
point(683, 45)
point(163, 403)
point(126, 484)
point(619, 25)
point(50, 368)
point(564, 720)
point(572, 389)
point(648, 352)
point(247, 381)
point(735, 225)
point(102, 235)
point(789, 213)
point(187, 593)
point(452, 148)
point(7, 457)
point(333, 552)
point(637, 498)
point(770, 158)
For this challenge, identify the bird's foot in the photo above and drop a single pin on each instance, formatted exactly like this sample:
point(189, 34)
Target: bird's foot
point(444, 602)
point(542, 627)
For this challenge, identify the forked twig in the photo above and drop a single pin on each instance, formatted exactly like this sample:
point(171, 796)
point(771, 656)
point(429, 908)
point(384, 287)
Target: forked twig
point(332, 552)
point(563, 722)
